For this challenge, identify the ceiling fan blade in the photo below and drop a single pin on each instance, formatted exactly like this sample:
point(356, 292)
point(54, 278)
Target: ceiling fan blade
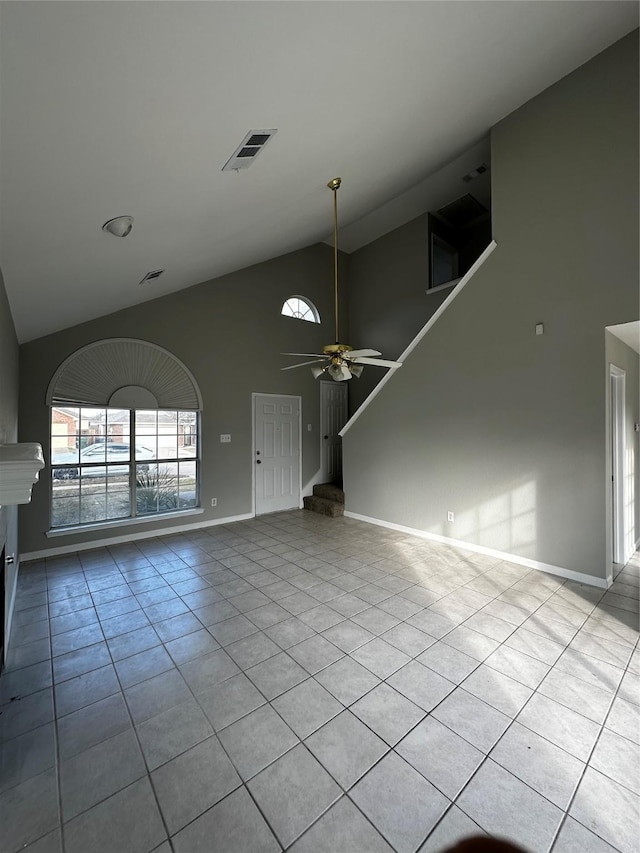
point(378, 362)
point(302, 363)
point(311, 354)
point(358, 353)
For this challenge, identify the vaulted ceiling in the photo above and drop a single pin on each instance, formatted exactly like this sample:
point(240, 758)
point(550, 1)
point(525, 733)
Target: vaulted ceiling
point(111, 108)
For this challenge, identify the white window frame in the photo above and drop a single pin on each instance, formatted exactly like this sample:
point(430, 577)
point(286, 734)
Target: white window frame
point(311, 309)
point(133, 464)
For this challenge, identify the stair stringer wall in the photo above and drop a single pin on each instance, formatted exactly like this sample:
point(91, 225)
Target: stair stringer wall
point(486, 419)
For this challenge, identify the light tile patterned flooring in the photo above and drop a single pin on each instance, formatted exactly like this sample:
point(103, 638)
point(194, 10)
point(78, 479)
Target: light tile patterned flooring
point(300, 683)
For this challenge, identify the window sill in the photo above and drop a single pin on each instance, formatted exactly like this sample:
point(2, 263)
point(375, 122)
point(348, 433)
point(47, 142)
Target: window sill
point(124, 522)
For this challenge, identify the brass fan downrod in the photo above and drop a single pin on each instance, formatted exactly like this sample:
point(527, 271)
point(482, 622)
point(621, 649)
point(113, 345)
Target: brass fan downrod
point(334, 185)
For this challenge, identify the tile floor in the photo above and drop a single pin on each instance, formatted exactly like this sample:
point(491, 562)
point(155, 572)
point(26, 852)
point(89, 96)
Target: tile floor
point(301, 683)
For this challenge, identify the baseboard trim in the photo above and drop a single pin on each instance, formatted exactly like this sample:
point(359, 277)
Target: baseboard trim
point(548, 568)
point(130, 537)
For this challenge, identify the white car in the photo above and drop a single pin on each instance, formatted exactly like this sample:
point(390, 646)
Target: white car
point(110, 453)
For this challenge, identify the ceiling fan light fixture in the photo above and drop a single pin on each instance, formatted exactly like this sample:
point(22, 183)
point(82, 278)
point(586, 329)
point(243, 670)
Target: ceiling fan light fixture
point(341, 360)
point(339, 371)
point(120, 226)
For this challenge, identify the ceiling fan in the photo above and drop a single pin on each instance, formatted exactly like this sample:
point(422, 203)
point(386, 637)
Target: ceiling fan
point(339, 361)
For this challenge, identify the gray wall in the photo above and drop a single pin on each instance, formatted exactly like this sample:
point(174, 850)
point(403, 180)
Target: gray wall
point(229, 333)
point(622, 356)
point(387, 301)
point(8, 435)
point(503, 428)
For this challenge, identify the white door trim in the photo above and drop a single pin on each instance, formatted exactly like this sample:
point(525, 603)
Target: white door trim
point(617, 383)
point(254, 396)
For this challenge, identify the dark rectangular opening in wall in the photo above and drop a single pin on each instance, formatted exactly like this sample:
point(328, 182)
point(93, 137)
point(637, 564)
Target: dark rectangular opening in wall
point(459, 231)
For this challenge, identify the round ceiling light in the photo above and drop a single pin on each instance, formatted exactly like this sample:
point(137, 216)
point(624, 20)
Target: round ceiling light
point(120, 226)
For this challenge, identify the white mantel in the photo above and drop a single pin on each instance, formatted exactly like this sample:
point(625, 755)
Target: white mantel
point(20, 466)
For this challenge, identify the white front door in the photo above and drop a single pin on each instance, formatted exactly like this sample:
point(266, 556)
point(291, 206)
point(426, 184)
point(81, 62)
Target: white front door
point(276, 451)
point(333, 416)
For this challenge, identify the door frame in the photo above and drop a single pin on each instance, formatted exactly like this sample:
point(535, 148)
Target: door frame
point(345, 391)
point(254, 396)
point(617, 404)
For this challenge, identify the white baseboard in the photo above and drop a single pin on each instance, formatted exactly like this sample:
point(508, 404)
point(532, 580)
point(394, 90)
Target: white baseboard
point(130, 537)
point(579, 577)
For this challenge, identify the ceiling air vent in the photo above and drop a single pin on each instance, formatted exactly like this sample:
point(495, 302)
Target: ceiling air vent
point(151, 275)
point(463, 211)
point(244, 155)
point(474, 173)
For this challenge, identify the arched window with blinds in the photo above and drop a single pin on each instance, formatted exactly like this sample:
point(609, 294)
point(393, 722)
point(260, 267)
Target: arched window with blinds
point(125, 425)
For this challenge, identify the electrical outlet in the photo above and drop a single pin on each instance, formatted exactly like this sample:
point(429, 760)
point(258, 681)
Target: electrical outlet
point(214, 501)
point(450, 516)
point(308, 427)
point(225, 439)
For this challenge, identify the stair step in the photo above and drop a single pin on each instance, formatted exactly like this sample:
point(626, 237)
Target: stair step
point(324, 506)
point(329, 491)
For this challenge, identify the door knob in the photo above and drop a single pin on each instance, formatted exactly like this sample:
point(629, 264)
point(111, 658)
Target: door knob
point(326, 437)
point(258, 461)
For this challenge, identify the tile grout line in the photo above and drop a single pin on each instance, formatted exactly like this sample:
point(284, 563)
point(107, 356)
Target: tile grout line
point(415, 584)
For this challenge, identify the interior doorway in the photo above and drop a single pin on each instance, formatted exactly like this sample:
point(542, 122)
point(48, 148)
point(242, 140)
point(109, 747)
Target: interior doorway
point(276, 453)
point(333, 416)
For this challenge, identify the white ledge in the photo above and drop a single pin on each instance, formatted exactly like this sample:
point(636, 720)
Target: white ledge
point(20, 466)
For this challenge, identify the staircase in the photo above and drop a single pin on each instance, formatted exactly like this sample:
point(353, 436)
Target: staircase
point(327, 499)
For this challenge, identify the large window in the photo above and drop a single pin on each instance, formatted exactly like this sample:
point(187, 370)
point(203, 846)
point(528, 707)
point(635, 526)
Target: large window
point(114, 463)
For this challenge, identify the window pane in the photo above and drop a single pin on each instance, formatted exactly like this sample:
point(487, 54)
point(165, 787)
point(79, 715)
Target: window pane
point(168, 420)
point(167, 446)
point(146, 421)
point(187, 486)
point(64, 430)
point(187, 434)
point(93, 500)
point(96, 452)
point(118, 492)
point(146, 447)
point(64, 449)
point(65, 503)
point(118, 427)
point(93, 423)
point(156, 489)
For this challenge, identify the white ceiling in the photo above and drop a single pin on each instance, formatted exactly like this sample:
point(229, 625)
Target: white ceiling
point(111, 108)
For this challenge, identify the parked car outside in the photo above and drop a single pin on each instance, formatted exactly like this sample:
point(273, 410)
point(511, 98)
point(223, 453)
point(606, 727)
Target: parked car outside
point(95, 453)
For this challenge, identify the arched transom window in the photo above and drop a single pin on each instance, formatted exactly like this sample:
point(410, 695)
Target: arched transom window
point(301, 309)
